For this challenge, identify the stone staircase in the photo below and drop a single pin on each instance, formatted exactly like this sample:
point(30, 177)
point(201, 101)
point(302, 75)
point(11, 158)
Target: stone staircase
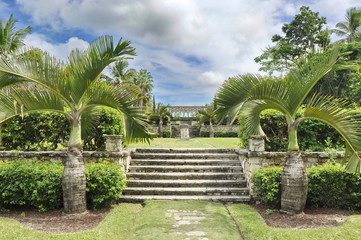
point(185, 174)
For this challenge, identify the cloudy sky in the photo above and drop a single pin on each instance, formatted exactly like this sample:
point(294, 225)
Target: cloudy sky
point(189, 46)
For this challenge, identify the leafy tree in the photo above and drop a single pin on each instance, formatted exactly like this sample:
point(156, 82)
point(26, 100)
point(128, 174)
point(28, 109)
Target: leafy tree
point(302, 35)
point(72, 89)
point(11, 39)
point(208, 115)
point(249, 95)
point(351, 28)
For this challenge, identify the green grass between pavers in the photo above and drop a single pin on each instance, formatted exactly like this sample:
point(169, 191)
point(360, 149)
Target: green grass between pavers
point(253, 227)
point(191, 143)
point(154, 224)
point(118, 224)
point(131, 222)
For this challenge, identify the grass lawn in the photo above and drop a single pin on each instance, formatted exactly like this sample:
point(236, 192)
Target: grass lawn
point(254, 228)
point(191, 143)
point(168, 220)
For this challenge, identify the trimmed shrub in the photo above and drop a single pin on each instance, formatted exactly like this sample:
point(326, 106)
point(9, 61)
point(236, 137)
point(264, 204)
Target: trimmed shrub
point(329, 185)
point(225, 134)
point(166, 134)
point(38, 184)
point(219, 134)
point(105, 182)
point(267, 184)
point(203, 134)
point(31, 184)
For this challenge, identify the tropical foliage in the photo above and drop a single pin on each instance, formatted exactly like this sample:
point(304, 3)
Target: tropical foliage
point(159, 115)
point(208, 116)
point(302, 35)
point(11, 39)
point(73, 89)
point(350, 29)
point(249, 95)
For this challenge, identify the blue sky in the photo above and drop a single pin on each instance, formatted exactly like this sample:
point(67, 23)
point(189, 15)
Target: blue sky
point(189, 46)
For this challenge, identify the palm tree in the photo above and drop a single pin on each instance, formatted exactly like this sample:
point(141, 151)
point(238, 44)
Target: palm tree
point(144, 81)
point(160, 114)
point(121, 72)
point(9, 38)
point(249, 95)
point(208, 115)
point(75, 90)
point(351, 28)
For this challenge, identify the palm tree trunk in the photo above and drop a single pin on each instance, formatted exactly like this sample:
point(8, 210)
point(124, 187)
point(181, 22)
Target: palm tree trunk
point(160, 128)
point(211, 130)
point(294, 184)
point(73, 180)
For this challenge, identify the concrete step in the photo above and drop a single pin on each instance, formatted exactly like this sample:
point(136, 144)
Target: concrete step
point(186, 175)
point(194, 191)
point(187, 183)
point(139, 162)
point(186, 150)
point(142, 198)
point(229, 156)
point(185, 168)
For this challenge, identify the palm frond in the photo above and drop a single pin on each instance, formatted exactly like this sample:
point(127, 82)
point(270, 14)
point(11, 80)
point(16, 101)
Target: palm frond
point(86, 66)
point(33, 65)
point(90, 117)
point(334, 112)
point(308, 73)
point(237, 91)
point(136, 128)
point(23, 101)
point(250, 116)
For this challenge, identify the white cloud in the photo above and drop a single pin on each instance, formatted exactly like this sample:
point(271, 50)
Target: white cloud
point(60, 50)
point(224, 35)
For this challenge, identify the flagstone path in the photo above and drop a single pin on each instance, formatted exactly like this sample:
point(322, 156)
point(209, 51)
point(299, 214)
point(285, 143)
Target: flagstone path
point(185, 220)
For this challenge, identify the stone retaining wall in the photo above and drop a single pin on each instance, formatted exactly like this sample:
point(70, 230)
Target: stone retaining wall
point(256, 157)
point(122, 157)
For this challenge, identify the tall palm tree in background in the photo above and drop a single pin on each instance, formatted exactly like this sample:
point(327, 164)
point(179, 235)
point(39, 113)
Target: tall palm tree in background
point(121, 72)
point(142, 79)
point(75, 90)
point(11, 39)
point(161, 115)
point(351, 28)
point(208, 115)
point(249, 95)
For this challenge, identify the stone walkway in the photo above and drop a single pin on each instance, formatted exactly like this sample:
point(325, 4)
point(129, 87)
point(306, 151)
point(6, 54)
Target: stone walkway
point(187, 218)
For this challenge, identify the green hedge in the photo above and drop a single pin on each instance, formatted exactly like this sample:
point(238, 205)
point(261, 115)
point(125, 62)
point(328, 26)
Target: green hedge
point(166, 133)
point(329, 186)
point(312, 135)
point(38, 184)
point(46, 131)
point(105, 182)
point(219, 134)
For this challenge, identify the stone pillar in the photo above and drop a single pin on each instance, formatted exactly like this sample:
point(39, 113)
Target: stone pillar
point(254, 161)
point(113, 143)
point(256, 143)
point(184, 131)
